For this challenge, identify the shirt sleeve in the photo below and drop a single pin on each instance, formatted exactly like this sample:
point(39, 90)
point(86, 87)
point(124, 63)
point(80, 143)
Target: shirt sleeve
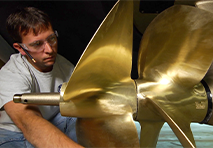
point(12, 83)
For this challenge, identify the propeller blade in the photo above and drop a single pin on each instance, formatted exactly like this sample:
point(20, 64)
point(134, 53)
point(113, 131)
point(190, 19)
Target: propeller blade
point(205, 5)
point(112, 131)
point(101, 84)
point(173, 104)
point(208, 6)
point(175, 54)
point(181, 129)
point(100, 91)
point(149, 129)
point(177, 46)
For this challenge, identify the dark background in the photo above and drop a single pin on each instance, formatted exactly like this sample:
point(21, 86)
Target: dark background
point(77, 21)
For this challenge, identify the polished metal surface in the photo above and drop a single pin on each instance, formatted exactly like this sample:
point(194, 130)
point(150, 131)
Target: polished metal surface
point(205, 5)
point(100, 84)
point(100, 89)
point(208, 6)
point(111, 131)
point(159, 103)
point(141, 19)
point(38, 98)
point(177, 46)
point(175, 53)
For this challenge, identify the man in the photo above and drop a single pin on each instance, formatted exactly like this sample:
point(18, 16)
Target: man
point(36, 68)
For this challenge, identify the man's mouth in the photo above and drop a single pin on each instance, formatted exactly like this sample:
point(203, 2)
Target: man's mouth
point(49, 58)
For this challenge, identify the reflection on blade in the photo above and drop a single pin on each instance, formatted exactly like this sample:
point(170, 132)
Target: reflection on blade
point(181, 135)
point(177, 46)
point(174, 56)
point(100, 91)
point(149, 129)
point(113, 131)
point(205, 5)
point(101, 83)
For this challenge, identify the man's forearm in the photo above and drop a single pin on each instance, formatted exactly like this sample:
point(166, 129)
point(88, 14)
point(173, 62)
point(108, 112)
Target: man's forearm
point(43, 134)
point(37, 130)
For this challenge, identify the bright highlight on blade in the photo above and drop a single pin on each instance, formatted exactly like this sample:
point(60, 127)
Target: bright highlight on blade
point(164, 81)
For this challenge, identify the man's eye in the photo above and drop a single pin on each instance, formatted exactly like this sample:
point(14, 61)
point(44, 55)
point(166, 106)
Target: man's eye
point(36, 44)
point(52, 39)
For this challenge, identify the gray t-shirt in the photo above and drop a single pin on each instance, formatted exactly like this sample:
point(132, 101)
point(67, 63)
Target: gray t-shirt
point(19, 76)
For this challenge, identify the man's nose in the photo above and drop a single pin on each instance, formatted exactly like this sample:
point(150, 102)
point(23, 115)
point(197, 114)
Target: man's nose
point(48, 48)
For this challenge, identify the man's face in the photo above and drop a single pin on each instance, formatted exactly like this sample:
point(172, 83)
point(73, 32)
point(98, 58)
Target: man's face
point(46, 55)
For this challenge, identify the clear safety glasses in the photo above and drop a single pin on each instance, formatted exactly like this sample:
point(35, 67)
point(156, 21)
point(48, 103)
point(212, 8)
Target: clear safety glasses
point(39, 45)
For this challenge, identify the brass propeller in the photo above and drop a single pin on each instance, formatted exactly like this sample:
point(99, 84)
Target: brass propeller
point(100, 90)
point(175, 54)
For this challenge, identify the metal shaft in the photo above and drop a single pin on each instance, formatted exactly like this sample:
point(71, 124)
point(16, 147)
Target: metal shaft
point(38, 98)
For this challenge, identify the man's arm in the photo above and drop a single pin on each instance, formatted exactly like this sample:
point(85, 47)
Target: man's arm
point(37, 130)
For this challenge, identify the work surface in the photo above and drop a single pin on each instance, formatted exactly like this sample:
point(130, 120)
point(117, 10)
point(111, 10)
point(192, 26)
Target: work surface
point(203, 135)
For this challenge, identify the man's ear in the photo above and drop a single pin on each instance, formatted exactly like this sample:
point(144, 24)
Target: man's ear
point(19, 48)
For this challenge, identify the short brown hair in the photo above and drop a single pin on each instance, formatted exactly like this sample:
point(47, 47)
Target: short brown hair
point(23, 20)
